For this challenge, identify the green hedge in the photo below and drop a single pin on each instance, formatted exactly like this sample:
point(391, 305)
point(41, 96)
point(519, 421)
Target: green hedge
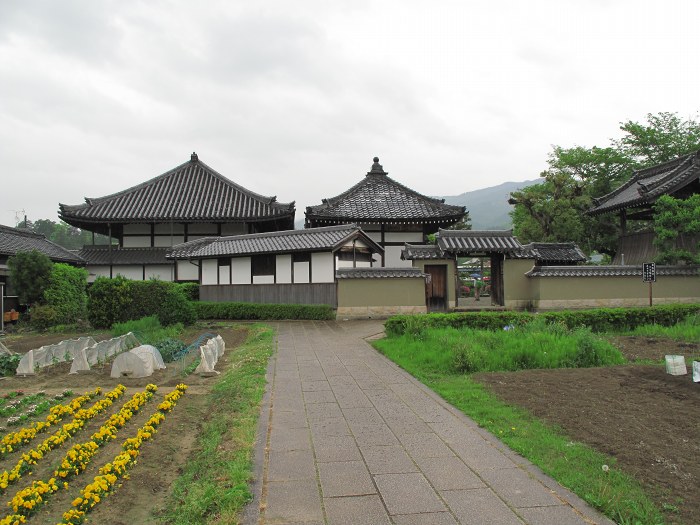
point(599, 320)
point(118, 300)
point(254, 311)
point(66, 294)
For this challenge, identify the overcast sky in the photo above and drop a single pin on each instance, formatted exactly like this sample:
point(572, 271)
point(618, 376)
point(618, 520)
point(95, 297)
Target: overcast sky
point(295, 98)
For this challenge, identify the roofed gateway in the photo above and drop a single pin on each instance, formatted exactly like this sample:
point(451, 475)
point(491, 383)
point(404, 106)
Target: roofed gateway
point(388, 211)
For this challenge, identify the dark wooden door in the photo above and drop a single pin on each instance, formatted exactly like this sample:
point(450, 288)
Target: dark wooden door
point(436, 288)
point(497, 292)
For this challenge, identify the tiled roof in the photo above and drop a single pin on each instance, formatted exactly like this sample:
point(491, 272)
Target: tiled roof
point(378, 198)
point(609, 271)
point(421, 251)
point(475, 241)
point(190, 192)
point(13, 240)
point(378, 273)
point(550, 252)
point(307, 240)
point(102, 255)
point(648, 184)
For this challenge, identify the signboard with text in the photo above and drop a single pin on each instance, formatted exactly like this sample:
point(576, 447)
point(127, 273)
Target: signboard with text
point(649, 272)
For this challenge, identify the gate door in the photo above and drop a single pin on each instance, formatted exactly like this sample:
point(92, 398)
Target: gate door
point(436, 288)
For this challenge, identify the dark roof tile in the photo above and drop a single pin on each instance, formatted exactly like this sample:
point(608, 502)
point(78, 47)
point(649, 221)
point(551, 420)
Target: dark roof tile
point(475, 241)
point(13, 240)
point(102, 255)
point(609, 271)
point(378, 273)
point(379, 198)
point(413, 252)
point(550, 252)
point(190, 192)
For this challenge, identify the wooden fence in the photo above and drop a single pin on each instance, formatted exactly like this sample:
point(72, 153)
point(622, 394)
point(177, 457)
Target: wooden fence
point(319, 293)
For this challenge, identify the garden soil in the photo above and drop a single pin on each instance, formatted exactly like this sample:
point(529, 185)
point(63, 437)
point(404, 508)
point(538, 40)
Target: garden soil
point(645, 418)
point(144, 494)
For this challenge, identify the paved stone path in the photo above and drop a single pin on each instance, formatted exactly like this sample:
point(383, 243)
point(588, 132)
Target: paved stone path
point(347, 437)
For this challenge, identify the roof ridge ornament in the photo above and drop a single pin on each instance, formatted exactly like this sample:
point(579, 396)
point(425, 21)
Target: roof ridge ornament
point(377, 168)
point(194, 157)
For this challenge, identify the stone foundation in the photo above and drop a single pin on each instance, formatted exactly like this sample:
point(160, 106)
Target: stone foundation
point(376, 312)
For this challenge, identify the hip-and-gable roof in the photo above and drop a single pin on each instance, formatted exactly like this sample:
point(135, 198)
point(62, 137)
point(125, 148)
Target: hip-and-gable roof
point(379, 198)
point(14, 240)
point(191, 192)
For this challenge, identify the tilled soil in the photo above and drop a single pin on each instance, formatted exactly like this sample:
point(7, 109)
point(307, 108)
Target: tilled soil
point(644, 417)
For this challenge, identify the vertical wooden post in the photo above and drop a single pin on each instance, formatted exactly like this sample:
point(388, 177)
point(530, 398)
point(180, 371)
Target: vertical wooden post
point(650, 300)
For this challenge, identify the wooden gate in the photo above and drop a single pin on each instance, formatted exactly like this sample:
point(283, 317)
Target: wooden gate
point(436, 287)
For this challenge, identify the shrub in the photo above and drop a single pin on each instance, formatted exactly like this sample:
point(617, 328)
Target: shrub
point(254, 311)
point(8, 364)
point(148, 330)
point(66, 293)
point(191, 290)
point(30, 273)
point(42, 317)
point(108, 301)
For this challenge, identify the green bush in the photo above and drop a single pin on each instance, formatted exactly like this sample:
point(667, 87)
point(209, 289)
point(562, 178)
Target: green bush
point(255, 311)
point(598, 320)
point(191, 290)
point(66, 293)
point(8, 364)
point(117, 300)
point(30, 273)
point(43, 317)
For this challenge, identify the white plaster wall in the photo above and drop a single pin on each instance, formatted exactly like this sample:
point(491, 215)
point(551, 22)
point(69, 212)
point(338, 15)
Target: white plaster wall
point(263, 279)
point(137, 228)
point(301, 272)
point(203, 228)
point(414, 237)
point(163, 241)
point(348, 264)
point(392, 257)
point(224, 275)
point(187, 271)
point(283, 268)
point(134, 273)
point(97, 271)
point(375, 236)
point(163, 272)
point(136, 242)
point(233, 229)
point(195, 237)
point(167, 228)
point(241, 270)
point(210, 269)
point(322, 270)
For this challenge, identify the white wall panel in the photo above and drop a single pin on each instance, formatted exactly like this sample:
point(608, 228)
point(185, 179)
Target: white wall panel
point(163, 241)
point(283, 268)
point(137, 228)
point(97, 271)
point(263, 279)
point(187, 271)
point(414, 237)
point(322, 270)
point(392, 257)
point(224, 275)
point(210, 269)
point(136, 242)
point(241, 270)
point(163, 272)
point(301, 272)
point(134, 273)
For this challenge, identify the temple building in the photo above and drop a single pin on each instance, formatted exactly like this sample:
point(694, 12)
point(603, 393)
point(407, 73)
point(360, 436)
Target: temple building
point(189, 202)
point(388, 212)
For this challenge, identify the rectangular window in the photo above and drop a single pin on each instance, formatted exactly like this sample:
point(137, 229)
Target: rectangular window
point(263, 264)
point(302, 257)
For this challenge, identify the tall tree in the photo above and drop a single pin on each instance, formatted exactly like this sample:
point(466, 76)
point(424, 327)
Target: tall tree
point(677, 229)
point(555, 211)
point(30, 273)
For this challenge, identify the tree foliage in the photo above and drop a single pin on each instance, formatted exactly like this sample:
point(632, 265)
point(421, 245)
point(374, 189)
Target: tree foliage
point(66, 293)
point(677, 229)
point(63, 234)
point(30, 273)
point(555, 211)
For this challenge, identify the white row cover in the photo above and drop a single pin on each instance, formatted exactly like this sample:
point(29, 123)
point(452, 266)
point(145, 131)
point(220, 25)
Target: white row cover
point(5, 350)
point(100, 352)
point(141, 361)
point(210, 354)
point(52, 354)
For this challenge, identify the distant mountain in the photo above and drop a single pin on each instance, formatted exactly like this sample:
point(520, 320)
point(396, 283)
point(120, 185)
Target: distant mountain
point(488, 208)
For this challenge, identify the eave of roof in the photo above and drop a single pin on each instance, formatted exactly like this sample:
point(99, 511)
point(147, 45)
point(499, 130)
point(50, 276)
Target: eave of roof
point(102, 255)
point(477, 241)
point(610, 271)
point(289, 241)
point(190, 192)
point(379, 198)
point(550, 252)
point(412, 252)
point(14, 240)
point(647, 185)
point(378, 273)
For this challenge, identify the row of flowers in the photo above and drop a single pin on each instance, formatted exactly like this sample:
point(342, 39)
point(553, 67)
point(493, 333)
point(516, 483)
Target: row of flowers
point(109, 474)
point(76, 460)
point(10, 442)
point(31, 457)
point(33, 409)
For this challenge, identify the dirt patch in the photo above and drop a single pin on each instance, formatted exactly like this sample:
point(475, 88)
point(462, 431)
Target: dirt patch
point(647, 419)
point(161, 460)
point(653, 349)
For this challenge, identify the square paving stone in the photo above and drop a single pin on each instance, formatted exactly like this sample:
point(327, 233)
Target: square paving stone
point(407, 425)
point(480, 456)
point(428, 518)
point(518, 489)
point(388, 460)
point(425, 445)
point(286, 439)
point(289, 419)
point(320, 396)
point(479, 507)
point(314, 386)
point(348, 478)
point(321, 411)
point(378, 437)
point(368, 414)
point(293, 501)
point(336, 448)
point(295, 464)
point(335, 426)
point(408, 493)
point(356, 510)
point(560, 515)
point(448, 473)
